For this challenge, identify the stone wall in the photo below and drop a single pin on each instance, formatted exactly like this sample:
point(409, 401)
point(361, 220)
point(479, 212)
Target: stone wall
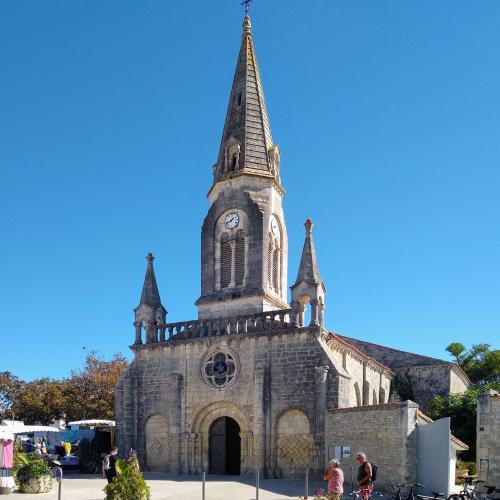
point(385, 433)
point(293, 370)
point(488, 438)
point(429, 376)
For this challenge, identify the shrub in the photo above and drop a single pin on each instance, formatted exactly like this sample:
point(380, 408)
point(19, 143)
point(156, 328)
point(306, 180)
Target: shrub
point(29, 466)
point(129, 483)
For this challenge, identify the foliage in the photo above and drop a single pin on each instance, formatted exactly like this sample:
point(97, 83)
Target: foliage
point(9, 385)
point(30, 466)
point(402, 385)
point(129, 484)
point(461, 408)
point(87, 393)
point(91, 392)
point(38, 401)
point(470, 466)
point(480, 362)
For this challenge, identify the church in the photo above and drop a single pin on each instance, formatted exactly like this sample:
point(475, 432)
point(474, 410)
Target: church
point(250, 383)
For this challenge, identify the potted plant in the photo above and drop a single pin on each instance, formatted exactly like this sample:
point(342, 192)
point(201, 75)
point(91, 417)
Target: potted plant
point(128, 484)
point(460, 471)
point(34, 474)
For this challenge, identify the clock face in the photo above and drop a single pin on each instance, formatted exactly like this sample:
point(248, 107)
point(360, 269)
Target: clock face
point(232, 220)
point(274, 227)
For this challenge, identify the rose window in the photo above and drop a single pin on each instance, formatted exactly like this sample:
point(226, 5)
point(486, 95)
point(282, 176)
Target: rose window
point(220, 369)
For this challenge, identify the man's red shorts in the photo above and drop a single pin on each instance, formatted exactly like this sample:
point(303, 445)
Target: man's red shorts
point(365, 491)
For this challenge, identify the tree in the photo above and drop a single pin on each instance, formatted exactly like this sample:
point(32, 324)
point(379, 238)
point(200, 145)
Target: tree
point(9, 385)
point(90, 393)
point(39, 401)
point(480, 362)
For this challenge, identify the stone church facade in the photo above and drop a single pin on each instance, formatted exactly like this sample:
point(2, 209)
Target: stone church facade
point(248, 384)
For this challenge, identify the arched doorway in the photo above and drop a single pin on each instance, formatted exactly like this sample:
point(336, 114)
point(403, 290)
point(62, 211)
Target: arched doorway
point(224, 446)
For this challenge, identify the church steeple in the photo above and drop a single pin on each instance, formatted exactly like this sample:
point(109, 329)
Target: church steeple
point(244, 243)
point(247, 144)
point(150, 313)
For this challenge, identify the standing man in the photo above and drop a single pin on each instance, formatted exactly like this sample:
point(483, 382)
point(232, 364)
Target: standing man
point(364, 476)
point(109, 464)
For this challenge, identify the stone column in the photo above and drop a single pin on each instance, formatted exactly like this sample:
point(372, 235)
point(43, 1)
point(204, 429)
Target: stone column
point(138, 332)
point(314, 312)
point(232, 244)
point(175, 424)
point(319, 418)
point(162, 333)
point(259, 430)
point(151, 331)
point(294, 314)
point(321, 313)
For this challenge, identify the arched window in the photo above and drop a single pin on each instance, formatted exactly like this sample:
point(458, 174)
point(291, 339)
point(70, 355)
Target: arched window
point(276, 263)
point(239, 260)
point(225, 261)
point(270, 262)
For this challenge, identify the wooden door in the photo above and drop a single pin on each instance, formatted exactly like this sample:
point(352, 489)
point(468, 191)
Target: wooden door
point(217, 447)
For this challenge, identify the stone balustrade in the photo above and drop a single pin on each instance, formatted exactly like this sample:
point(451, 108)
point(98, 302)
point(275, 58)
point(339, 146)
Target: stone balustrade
point(240, 325)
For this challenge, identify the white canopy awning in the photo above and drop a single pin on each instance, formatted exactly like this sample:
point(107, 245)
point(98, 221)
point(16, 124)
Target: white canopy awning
point(94, 422)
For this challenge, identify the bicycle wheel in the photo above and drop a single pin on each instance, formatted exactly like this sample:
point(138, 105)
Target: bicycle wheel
point(454, 496)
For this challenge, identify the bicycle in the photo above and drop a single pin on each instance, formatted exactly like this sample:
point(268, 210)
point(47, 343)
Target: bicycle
point(403, 486)
point(357, 494)
point(469, 489)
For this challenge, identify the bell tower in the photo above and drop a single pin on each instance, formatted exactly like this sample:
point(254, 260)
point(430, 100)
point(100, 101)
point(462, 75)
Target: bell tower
point(244, 244)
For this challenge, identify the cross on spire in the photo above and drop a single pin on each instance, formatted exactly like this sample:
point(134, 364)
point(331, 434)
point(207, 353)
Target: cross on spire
point(246, 5)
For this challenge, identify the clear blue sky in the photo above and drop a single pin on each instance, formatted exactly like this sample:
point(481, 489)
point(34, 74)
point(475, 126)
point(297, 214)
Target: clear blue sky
point(388, 118)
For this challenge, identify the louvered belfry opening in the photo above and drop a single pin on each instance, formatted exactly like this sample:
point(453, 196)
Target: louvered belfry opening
point(225, 261)
point(232, 260)
point(239, 263)
point(273, 265)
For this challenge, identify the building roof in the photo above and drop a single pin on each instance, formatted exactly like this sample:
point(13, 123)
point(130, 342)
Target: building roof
point(309, 268)
point(394, 358)
point(150, 294)
point(247, 122)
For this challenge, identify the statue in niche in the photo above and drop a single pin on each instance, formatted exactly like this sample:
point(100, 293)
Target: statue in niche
point(274, 160)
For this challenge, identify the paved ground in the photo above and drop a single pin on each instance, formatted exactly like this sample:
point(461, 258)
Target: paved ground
point(163, 487)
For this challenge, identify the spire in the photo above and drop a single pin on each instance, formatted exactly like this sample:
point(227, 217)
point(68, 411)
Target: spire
point(309, 286)
point(309, 269)
point(150, 314)
point(246, 142)
point(150, 295)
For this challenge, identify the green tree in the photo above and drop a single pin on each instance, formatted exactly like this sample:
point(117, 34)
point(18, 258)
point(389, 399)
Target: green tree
point(9, 386)
point(39, 401)
point(480, 362)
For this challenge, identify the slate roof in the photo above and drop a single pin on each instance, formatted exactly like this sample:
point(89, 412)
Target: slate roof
point(394, 358)
point(246, 117)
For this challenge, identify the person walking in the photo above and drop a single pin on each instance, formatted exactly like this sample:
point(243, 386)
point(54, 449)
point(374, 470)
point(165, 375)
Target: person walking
point(335, 477)
point(109, 464)
point(364, 476)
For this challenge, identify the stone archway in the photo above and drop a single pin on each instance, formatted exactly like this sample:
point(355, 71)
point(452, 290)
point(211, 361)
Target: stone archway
point(156, 433)
point(202, 424)
point(295, 444)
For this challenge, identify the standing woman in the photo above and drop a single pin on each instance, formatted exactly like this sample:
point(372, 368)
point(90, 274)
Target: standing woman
point(335, 477)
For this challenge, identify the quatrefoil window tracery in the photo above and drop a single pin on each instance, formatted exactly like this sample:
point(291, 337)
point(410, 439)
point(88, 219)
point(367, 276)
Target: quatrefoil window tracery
point(220, 369)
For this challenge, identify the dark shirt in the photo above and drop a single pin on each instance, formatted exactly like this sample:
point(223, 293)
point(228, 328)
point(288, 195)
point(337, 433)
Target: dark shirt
point(112, 464)
point(362, 473)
